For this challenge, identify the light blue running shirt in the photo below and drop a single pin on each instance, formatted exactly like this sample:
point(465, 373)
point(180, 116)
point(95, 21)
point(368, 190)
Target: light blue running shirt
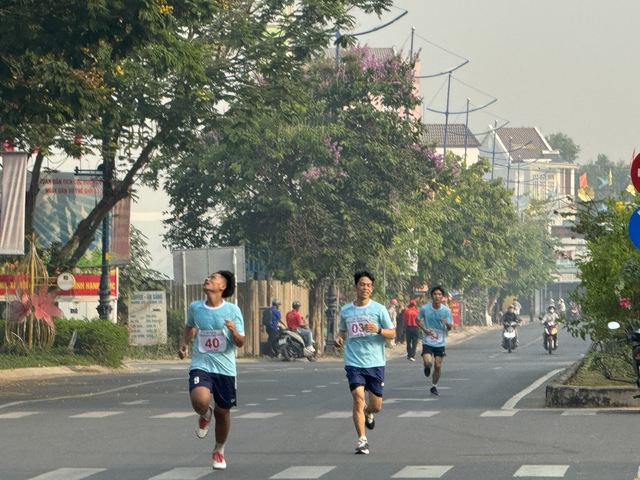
point(364, 349)
point(214, 350)
point(432, 319)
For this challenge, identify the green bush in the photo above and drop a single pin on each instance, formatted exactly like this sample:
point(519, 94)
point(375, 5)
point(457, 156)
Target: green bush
point(101, 340)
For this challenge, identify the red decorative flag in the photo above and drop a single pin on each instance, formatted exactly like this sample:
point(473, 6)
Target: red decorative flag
point(583, 180)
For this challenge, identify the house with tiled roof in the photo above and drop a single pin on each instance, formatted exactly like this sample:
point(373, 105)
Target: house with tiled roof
point(457, 138)
point(529, 166)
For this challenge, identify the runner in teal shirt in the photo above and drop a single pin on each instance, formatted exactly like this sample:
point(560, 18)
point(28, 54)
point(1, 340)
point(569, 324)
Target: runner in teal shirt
point(364, 327)
point(216, 329)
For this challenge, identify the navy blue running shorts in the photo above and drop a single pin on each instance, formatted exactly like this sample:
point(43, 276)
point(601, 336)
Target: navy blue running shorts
point(435, 351)
point(223, 387)
point(371, 378)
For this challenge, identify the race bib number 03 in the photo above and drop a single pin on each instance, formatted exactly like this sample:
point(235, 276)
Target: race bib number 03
point(212, 341)
point(355, 326)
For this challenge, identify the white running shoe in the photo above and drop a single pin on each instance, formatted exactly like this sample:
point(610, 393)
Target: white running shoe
point(217, 460)
point(203, 424)
point(362, 448)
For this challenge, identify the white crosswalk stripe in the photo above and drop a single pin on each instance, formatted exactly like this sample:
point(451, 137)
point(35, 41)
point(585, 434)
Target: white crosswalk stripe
point(13, 415)
point(545, 471)
point(96, 414)
point(183, 474)
point(68, 474)
point(423, 471)
point(418, 414)
point(174, 415)
point(258, 415)
point(303, 472)
point(499, 413)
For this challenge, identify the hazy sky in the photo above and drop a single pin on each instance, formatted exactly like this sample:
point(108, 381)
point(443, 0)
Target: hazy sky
point(567, 66)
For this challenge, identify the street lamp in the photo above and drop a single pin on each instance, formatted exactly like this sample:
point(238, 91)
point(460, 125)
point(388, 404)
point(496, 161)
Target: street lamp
point(104, 307)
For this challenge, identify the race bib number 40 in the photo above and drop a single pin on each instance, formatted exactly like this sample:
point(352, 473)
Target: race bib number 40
point(212, 341)
point(355, 326)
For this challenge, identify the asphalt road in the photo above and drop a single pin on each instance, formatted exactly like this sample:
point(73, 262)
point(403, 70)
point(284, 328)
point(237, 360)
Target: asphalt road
point(293, 421)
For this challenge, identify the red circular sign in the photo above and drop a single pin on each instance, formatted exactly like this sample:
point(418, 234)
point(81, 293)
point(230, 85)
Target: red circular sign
point(635, 172)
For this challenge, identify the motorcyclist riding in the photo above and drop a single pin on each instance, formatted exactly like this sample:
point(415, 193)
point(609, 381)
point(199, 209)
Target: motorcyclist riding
point(551, 317)
point(511, 316)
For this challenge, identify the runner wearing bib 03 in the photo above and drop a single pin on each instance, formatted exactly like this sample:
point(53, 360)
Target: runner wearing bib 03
point(364, 327)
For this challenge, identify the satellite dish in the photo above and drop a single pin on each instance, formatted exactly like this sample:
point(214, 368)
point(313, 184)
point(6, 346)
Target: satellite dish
point(586, 193)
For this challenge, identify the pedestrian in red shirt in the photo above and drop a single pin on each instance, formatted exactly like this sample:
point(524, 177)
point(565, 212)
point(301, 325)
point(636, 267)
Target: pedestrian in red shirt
point(409, 316)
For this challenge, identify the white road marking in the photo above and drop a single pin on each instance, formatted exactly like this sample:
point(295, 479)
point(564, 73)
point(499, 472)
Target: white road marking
point(136, 402)
point(18, 414)
point(175, 415)
point(541, 471)
point(96, 414)
point(420, 414)
point(69, 474)
point(423, 471)
point(183, 474)
point(258, 415)
point(388, 401)
point(578, 413)
point(303, 472)
point(336, 415)
point(499, 413)
point(513, 401)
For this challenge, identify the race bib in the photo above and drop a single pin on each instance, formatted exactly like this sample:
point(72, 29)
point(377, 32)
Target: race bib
point(435, 336)
point(212, 341)
point(355, 326)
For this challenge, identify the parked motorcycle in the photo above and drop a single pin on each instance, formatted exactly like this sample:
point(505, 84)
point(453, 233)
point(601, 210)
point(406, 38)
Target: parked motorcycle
point(633, 337)
point(509, 337)
point(291, 346)
point(550, 336)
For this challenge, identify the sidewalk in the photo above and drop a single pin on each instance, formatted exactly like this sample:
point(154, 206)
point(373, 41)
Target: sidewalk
point(456, 336)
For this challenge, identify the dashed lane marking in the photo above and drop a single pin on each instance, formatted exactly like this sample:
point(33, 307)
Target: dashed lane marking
point(541, 471)
point(423, 471)
point(303, 472)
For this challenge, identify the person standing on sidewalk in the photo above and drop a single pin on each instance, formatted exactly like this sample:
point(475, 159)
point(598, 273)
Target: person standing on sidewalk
point(216, 328)
point(435, 320)
point(409, 317)
point(363, 329)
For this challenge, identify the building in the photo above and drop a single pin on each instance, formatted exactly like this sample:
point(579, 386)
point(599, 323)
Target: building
point(459, 140)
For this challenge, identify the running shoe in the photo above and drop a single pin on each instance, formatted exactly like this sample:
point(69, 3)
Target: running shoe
point(217, 460)
point(362, 448)
point(434, 390)
point(203, 424)
point(427, 371)
point(369, 421)
point(411, 359)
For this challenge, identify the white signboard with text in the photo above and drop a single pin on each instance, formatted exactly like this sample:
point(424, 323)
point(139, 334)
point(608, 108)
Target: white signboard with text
point(147, 318)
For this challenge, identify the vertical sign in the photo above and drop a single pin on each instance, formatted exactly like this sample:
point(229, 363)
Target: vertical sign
point(14, 190)
point(634, 221)
point(120, 251)
point(147, 318)
point(456, 308)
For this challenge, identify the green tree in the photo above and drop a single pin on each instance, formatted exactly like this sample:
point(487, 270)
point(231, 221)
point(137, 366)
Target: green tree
point(319, 191)
point(569, 151)
point(136, 82)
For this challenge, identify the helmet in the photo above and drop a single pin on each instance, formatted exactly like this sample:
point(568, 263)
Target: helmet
point(275, 302)
point(295, 304)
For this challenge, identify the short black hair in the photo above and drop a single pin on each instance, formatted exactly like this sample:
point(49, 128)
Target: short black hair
point(231, 283)
point(438, 287)
point(364, 273)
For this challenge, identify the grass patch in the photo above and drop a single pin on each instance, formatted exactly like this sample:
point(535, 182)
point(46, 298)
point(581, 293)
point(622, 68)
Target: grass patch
point(591, 378)
point(38, 359)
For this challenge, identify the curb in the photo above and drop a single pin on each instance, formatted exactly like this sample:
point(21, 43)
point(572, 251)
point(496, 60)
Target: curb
point(560, 395)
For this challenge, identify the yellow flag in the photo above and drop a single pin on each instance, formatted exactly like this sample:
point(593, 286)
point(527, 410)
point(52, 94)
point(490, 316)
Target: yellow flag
point(610, 178)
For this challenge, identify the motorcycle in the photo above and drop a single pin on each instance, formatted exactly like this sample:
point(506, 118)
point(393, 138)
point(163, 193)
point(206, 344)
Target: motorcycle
point(633, 337)
point(291, 346)
point(551, 336)
point(509, 339)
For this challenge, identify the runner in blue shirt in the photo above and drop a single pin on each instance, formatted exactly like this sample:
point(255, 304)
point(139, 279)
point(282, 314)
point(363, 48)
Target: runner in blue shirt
point(435, 320)
point(216, 328)
point(364, 327)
